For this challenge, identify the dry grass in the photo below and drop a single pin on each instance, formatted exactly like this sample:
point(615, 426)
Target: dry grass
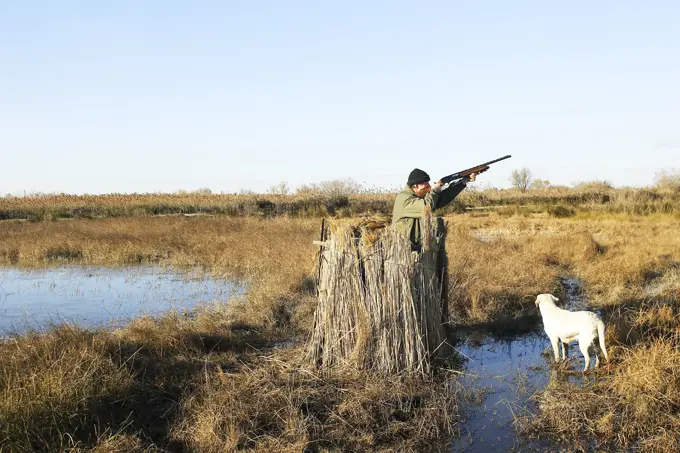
point(180, 384)
point(55, 207)
point(75, 389)
point(78, 390)
point(203, 384)
point(53, 384)
point(557, 201)
point(498, 264)
point(278, 407)
point(633, 404)
point(276, 256)
point(618, 257)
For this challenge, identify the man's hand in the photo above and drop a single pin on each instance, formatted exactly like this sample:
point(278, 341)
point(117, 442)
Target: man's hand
point(469, 178)
point(437, 187)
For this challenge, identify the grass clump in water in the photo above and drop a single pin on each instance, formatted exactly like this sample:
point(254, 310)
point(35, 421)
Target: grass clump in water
point(632, 403)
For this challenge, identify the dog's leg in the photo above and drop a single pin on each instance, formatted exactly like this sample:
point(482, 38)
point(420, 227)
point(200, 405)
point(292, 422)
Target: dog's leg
point(565, 350)
point(556, 348)
point(584, 350)
point(600, 334)
point(598, 351)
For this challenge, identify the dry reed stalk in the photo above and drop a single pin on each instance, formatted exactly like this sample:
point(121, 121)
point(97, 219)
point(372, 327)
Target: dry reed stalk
point(380, 303)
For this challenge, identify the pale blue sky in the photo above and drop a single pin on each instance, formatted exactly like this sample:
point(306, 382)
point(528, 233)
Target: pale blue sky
point(145, 96)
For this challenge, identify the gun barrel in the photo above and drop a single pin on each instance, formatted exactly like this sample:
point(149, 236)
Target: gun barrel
point(495, 160)
point(460, 174)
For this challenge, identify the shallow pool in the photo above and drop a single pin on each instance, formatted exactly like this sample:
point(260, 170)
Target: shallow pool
point(503, 374)
point(100, 296)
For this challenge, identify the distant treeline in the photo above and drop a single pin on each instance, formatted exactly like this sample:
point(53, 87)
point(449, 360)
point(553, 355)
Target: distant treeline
point(557, 201)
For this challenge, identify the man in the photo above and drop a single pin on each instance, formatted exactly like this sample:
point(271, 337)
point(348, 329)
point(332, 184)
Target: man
point(410, 205)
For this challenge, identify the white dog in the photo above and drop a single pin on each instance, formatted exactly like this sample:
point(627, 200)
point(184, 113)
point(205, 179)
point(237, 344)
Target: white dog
point(564, 327)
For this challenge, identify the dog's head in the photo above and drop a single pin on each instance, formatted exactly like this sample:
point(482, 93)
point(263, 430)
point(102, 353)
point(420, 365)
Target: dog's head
point(545, 299)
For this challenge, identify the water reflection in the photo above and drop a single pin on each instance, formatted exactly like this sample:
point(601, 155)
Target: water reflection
point(503, 373)
point(508, 371)
point(100, 296)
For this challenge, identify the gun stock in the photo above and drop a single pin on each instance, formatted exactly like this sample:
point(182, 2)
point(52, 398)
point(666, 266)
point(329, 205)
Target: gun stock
point(477, 169)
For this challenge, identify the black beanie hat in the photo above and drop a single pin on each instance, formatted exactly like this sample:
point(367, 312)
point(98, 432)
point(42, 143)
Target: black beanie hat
point(417, 176)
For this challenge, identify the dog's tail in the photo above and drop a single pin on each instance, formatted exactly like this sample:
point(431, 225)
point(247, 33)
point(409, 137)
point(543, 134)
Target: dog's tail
point(600, 335)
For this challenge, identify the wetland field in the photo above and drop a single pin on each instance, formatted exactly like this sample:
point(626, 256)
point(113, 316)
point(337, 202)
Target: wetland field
point(140, 331)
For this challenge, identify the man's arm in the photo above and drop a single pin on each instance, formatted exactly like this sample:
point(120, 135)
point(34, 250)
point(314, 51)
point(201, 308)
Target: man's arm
point(415, 207)
point(450, 194)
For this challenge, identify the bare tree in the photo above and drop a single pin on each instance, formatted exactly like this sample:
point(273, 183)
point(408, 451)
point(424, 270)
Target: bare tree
point(339, 187)
point(668, 179)
point(540, 184)
point(521, 179)
point(336, 187)
point(280, 188)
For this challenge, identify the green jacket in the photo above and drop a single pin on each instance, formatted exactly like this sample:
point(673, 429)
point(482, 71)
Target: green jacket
point(409, 208)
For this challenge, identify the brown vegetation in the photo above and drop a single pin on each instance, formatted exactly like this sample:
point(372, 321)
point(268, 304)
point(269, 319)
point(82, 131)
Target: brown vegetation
point(275, 256)
point(499, 265)
point(633, 403)
point(213, 383)
point(203, 384)
point(344, 199)
point(276, 407)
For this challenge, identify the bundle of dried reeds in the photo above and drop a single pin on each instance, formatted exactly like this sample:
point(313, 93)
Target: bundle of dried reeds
point(380, 303)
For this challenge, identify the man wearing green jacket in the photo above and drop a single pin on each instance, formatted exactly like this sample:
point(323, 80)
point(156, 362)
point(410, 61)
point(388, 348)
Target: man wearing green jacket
point(411, 203)
point(410, 207)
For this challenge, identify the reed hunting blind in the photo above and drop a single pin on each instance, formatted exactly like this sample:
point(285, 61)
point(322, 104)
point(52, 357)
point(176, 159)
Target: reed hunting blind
point(381, 305)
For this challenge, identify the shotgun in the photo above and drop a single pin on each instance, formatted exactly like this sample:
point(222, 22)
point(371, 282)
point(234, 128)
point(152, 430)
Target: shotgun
point(478, 169)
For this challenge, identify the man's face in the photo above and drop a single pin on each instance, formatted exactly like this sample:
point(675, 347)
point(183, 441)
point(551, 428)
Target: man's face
point(421, 189)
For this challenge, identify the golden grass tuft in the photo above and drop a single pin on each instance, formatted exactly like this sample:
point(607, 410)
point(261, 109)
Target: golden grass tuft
point(280, 407)
point(56, 384)
point(115, 443)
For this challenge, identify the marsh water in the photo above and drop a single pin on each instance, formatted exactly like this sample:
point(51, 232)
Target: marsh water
point(100, 296)
point(502, 373)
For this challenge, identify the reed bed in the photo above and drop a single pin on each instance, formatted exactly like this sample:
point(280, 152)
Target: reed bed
point(558, 201)
point(57, 207)
point(380, 303)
